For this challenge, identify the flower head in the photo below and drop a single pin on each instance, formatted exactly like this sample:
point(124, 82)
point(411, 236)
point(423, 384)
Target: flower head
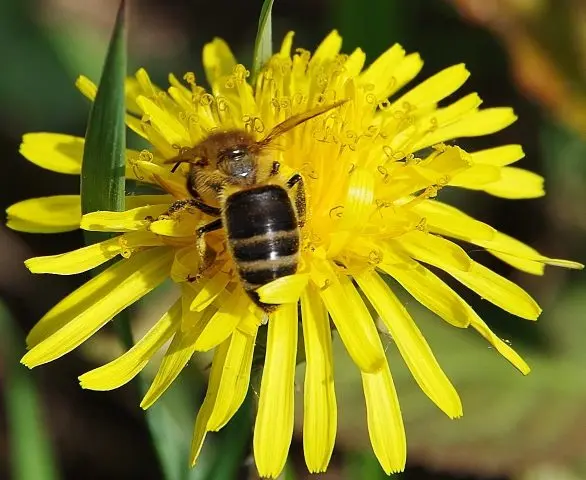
point(372, 168)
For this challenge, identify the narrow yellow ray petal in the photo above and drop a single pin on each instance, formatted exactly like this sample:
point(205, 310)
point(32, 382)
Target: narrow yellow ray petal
point(327, 49)
point(210, 290)
point(179, 226)
point(498, 290)
point(429, 290)
point(218, 61)
point(59, 213)
point(498, 156)
point(516, 183)
point(87, 88)
point(180, 351)
point(127, 221)
point(358, 200)
point(435, 88)
point(54, 151)
point(283, 290)
point(430, 248)
point(86, 258)
point(152, 173)
point(482, 122)
point(379, 73)
point(522, 256)
point(385, 423)
point(352, 319)
point(320, 415)
point(224, 321)
point(476, 176)
point(124, 368)
point(85, 311)
point(505, 350)
point(405, 72)
point(207, 406)
point(168, 125)
point(235, 379)
point(136, 201)
point(449, 221)
point(273, 428)
point(411, 344)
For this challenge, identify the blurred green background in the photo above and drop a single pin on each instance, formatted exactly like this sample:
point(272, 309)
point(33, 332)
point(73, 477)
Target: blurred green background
point(529, 54)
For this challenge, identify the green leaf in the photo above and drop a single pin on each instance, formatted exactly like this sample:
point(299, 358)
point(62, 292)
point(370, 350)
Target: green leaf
point(263, 45)
point(102, 172)
point(31, 454)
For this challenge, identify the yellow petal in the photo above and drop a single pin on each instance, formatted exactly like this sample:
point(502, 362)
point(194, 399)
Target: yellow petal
point(327, 49)
point(385, 423)
point(210, 290)
point(218, 61)
point(124, 368)
point(273, 428)
point(516, 183)
point(449, 221)
point(476, 176)
point(224, 321)
point(380, 73)
point(135, 201)
point(435, 88)
point(498, 290)
point(352, 319)
point(54, 151)
point(79, 315)
point(433, 249)
point(359, 199)
point(180, 351)
point(505, 350)
point(430, 291)
point(207, 406)
point(235, 379)
point(88, 88)
point(86, 258)
point(320, 413)
point(411, 344)
point(482, 122)
point(498, 156)
point(59, 213)
point(287, 44)
point(522, 256)
point(283, 290)
point(166, 124)
point(127, 221)
point(405, 72)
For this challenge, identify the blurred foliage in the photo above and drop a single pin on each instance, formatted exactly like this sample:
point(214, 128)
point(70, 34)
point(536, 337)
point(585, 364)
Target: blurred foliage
point(522, 428)
point(31, 453)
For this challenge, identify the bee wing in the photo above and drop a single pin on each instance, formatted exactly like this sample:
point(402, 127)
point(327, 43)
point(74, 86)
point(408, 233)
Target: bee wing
point(295, 120)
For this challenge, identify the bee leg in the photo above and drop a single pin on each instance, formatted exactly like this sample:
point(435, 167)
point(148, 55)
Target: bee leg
point(300, 201)
point(179, 205)
point(275, 168)
point(207, 254)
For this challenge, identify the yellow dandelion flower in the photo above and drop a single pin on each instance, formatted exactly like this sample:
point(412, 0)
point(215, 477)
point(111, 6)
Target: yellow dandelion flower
point(373, 168)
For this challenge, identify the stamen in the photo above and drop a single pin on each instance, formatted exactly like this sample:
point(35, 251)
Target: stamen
point(337, 211)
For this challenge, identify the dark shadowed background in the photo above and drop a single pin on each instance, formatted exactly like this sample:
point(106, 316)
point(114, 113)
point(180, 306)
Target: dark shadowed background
point(528, 54)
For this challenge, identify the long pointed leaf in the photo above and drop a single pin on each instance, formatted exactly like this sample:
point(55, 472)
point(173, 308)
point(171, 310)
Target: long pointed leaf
point(263, 45)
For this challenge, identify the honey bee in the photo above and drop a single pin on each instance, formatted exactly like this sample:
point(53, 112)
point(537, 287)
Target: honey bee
point(233, 177)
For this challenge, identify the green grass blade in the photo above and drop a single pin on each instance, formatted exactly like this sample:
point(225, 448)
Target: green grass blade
point(102, 172)
point(263, 45)
point(31, 455)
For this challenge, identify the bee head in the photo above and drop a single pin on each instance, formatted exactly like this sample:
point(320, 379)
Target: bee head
point(238, 163)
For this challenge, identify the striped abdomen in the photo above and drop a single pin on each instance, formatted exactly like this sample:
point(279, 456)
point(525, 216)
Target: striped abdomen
point(263, 236)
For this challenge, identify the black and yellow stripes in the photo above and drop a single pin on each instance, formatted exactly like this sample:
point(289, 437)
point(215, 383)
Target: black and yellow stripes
point(263, 235)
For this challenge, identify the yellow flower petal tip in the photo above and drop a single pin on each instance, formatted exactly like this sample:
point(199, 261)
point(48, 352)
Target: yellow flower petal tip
point(364, 184)
point(283, 290)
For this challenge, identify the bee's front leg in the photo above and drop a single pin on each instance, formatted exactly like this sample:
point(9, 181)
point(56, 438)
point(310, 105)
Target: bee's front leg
point(207, 254)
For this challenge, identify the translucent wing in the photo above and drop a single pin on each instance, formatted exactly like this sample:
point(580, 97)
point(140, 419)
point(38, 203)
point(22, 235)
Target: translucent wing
point(295, 120)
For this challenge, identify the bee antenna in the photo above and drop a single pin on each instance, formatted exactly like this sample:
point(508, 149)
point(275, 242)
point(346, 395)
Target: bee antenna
point(176, 166)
